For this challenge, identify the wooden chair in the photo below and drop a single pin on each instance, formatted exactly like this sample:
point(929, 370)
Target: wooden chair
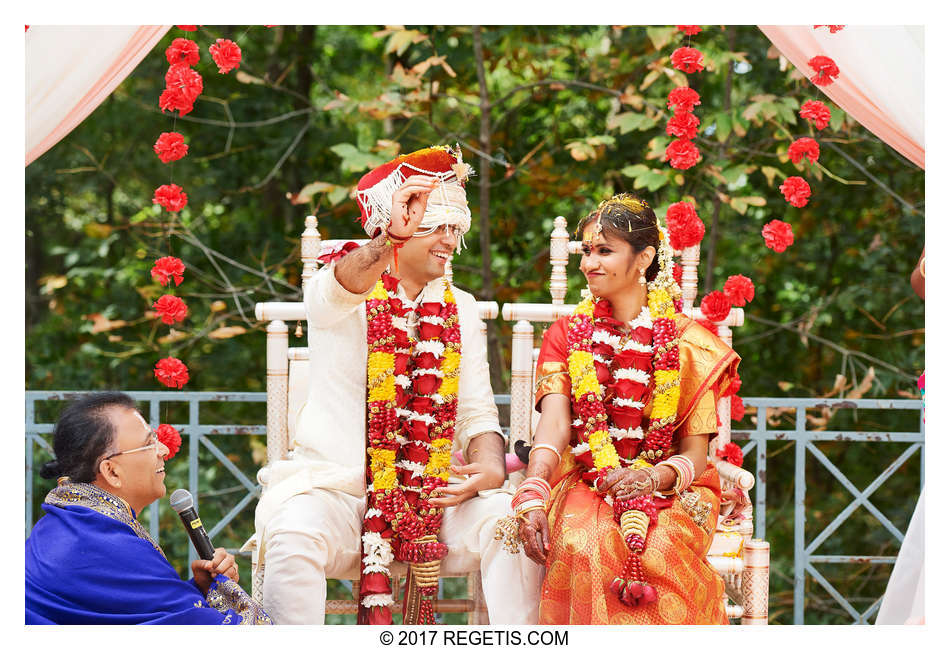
point(288, 370)
point(741, 560)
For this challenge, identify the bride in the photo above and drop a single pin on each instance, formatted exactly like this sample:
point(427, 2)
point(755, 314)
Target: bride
point(620, 501)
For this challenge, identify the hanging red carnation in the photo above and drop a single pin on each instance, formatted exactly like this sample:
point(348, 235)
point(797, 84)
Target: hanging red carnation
point(689, 30)
point(172, 309)
point(171, 372)
point(170, 147)
point(778, 235)
point(687, 59)
point(715, 306)
point(171, 197)
point(167, 268)
point(187, 28)
point(815, 112)
point(682, 98)
point(183, 50)
point(682, 154)
point(825, 70)
point(173, 99)
point(683, 124)
point(226, 54)
point(738, 408)
point(685, 227)
point(185, 79)
point(169, 436)
point(804, 147)
point(739, 290)
point(678, 270)
point(731, 452)
point(733, 386)
point(796, 191)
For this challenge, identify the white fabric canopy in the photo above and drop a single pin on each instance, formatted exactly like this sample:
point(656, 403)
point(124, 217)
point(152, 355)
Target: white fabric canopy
point(71, 69)
point(881, 84)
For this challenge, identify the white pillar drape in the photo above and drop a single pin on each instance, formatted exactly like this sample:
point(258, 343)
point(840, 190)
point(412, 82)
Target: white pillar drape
point(881, 84)
point(71, 69)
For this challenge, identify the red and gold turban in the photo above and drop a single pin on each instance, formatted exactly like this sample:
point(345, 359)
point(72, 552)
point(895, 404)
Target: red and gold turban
point(447, 204)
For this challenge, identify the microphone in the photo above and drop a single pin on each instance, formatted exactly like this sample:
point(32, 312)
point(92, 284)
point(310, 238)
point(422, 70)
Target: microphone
point(183, 503)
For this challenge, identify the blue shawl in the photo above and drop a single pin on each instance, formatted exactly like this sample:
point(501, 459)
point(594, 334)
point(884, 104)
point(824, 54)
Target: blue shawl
point(89, 561)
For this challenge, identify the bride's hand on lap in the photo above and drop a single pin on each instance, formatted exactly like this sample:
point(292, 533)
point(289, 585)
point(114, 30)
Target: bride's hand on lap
point(534, 535)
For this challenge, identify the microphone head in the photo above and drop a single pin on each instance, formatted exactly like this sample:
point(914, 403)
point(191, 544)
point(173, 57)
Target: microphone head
point(181, 500)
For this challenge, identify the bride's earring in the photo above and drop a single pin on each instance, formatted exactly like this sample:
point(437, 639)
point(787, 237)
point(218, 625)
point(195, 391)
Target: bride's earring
point(642, 279)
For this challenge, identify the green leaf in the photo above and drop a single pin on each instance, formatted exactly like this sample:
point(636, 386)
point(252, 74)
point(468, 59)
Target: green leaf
point(629, 121)
point(660, 36)
point(723, 126)
point(837, 118)
point(634, 171)
point(354, 160)
point(652, 180)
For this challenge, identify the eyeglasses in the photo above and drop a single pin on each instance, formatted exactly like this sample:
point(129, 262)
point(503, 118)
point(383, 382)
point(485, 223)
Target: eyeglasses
point(152, 444)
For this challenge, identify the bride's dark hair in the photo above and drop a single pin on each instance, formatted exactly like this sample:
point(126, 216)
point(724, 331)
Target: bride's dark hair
point(631, 219)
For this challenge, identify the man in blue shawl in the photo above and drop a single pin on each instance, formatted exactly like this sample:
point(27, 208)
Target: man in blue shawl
point(89, 560)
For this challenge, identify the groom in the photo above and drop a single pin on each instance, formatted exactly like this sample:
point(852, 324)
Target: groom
point(368, 478)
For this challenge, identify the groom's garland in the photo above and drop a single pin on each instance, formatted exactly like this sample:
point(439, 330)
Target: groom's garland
point(412, 396)
point(610, 434)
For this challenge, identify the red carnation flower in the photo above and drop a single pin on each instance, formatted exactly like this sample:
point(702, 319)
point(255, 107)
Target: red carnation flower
point(831, 28)
point(733, 386)
point(687, 59)
point(739, 290)
point(171, 197)
point(815, 112)
point(731, 452)
point(682, 154)
point(796, 191)
point(187, 28)
point(169, 436)
point(183, 50)
point(678, 270)
point(170, 147)
point(804, 147)
point(185, 79)
point(330, 253)
point(689, 30)
point(174, 100)
point(171, 372)
point(715, 306)
point(738, 408)
point(825, 70)
point(172, 309)
point(683, 98)
point(167, 268)
point(226, 54)
point(685, 227)
point(683, 124)
point(778, 235)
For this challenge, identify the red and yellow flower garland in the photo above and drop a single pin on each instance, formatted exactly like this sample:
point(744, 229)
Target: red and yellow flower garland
point(412, 397)
point(605, 429)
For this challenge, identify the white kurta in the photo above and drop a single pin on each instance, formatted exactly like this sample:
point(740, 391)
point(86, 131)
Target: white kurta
point(309, 516)
point(903, 602)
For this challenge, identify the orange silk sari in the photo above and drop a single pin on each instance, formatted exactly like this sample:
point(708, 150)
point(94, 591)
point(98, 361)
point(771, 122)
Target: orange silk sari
point(587, 550)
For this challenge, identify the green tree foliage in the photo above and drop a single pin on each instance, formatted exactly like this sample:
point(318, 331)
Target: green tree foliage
point(553, 119)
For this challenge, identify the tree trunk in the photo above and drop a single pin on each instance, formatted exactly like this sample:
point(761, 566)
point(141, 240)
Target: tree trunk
point(487, 291)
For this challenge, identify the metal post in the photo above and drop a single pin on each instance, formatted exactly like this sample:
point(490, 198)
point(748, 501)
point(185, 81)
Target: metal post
point(154, 419)
point(30, 422)
point(761, 458)
point(800, 442)
point(194, 437)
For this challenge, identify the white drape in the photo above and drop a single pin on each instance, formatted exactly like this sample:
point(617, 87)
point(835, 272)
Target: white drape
point(881, 84)
point(71, 69)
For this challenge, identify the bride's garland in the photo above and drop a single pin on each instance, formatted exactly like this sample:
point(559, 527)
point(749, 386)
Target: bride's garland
point(611, 434)
point(412, 396)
